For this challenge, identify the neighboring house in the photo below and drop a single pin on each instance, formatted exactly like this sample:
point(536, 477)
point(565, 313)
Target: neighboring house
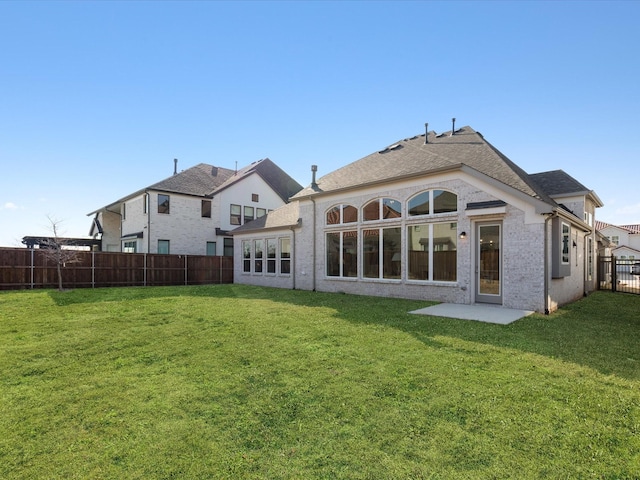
point(435, 217)
point(625, 240)
point(192, 212)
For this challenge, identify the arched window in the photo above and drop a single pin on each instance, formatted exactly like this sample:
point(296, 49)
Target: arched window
point(432, 202)
point(342, 214)
point(382, 209)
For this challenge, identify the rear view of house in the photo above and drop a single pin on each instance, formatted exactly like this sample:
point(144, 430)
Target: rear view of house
point(192, 211)
point(443, 217)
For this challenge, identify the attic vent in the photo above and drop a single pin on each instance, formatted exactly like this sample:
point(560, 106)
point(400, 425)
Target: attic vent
point(395, 146)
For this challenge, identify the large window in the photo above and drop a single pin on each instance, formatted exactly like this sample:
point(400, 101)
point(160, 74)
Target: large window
point(285, 255)
point(206, 209)
point(163, 203)
point(381, 253)
point(342, 254)
point(432, 252)
point(433, 202)
point(163, 246)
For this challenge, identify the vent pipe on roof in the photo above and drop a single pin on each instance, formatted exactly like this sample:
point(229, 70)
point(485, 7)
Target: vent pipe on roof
point(453, 125)
point(314, 169)
point(175, 166)
point(426, 133)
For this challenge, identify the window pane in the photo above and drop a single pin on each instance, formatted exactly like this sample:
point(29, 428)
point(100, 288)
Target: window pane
point(350, 254)
point(258, 252)
point(333, 254)
point(211, 249)
point(246, 255)
point(444, 201)
point(349, 214)
point(235, 214)
point(228, 247)
point(285, 255)
point(271, 255)
point(248, 214)
point(391, 252)
point(260, 212)
point(163, 203)
point(419, 205)
point(285, 248)
point(565, 243)
point(285, 266)
point(371, 211)
point(333, 216)
point(391, 208)
point(206, 208)
point(163, 246)
point(418, 252)
point(445, 244)
point(371, 253)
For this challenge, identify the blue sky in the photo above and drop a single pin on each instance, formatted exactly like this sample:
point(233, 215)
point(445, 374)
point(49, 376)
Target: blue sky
point(98, 98)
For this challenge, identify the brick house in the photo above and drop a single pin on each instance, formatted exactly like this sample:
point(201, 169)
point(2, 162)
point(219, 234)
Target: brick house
point(192, 211)
point(436, 217)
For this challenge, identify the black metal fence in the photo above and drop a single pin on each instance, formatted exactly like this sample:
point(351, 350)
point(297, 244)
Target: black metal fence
point(619, 274)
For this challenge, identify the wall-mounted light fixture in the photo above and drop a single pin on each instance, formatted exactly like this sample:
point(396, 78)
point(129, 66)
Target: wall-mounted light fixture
point(463, 235)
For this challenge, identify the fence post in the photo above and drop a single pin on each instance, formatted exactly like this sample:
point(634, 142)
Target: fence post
point(32, 266)
point(93, 269)
point(186, 271)
point(614, 274)
point(144, 271)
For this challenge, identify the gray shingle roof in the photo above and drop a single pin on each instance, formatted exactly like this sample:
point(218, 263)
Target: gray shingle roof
point(274, 176)
point(412, 157)
point(558, 182)
point(285, 216)
point(199, 180)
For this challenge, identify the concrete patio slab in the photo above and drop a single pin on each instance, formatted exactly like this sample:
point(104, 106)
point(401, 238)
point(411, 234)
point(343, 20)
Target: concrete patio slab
point(478, 312)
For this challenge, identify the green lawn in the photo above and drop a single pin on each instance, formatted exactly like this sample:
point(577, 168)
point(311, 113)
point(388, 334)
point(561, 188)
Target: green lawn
point(234, 382)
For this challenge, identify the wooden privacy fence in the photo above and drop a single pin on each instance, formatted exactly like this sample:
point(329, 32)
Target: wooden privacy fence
point(22, 268)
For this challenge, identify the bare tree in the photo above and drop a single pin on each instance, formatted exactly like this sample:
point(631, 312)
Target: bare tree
point(55, 251)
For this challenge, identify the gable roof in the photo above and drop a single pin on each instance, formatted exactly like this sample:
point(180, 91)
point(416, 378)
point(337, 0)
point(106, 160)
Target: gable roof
point(279, 181)
point(558, 183)
point(204, 180)
point(413, 156)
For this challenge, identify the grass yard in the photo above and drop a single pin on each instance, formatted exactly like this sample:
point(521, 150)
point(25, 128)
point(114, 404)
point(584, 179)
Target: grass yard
point(235, 382)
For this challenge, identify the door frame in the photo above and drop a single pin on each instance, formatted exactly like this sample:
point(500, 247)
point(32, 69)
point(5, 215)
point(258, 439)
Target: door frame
point(487, 297)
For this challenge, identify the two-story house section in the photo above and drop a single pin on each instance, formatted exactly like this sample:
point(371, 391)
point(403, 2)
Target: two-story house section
point(625, 239)
point(191, 212)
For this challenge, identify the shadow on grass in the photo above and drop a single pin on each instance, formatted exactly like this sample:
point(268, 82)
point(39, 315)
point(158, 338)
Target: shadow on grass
point(599, 332)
